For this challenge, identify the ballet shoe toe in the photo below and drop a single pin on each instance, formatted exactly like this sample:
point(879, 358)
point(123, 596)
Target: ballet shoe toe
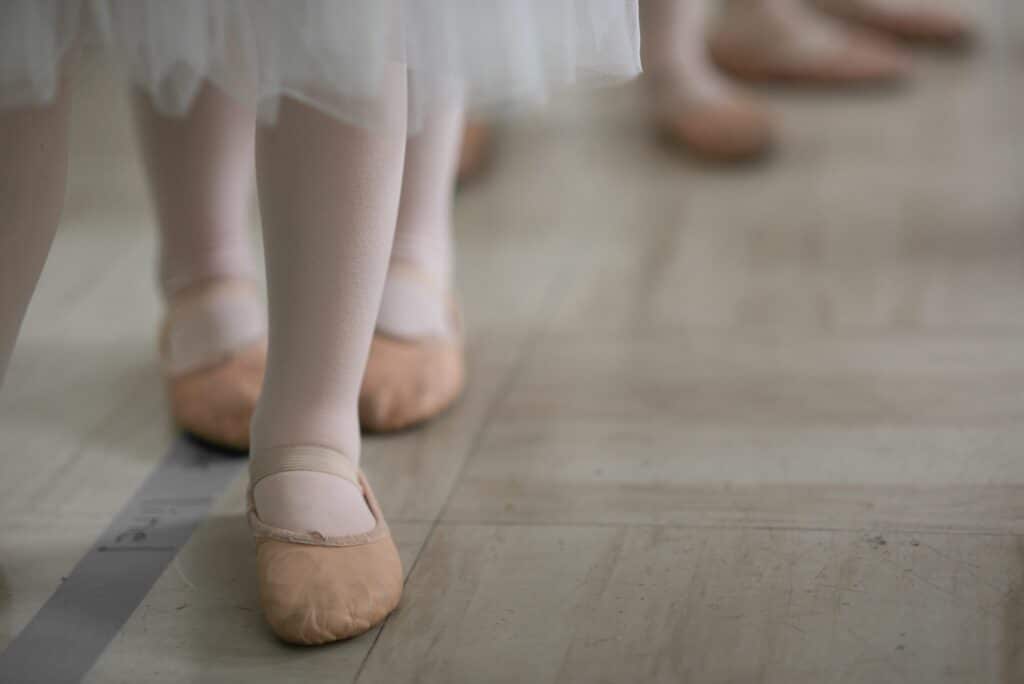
point(216, 403)
point(732, 130)
point(409, 381)
point(318, 594)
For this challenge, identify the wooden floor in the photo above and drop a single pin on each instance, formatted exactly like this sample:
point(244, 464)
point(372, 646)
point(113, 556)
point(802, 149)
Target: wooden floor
point(759, 425)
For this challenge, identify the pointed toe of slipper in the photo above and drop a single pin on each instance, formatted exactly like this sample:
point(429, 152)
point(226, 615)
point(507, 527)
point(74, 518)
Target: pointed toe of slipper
point(315, 589)
point(408, 382)
point(318, 594)
point(728, 131)
point(216, 403)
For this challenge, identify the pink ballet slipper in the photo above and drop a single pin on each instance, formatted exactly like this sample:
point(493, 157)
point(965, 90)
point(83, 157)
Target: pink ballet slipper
point(315, 589)
point(410, 380)
point(213, 353)
point(729, 129)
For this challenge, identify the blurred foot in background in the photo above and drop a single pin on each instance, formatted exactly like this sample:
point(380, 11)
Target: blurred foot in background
point(916, 21)
point(475, 154)
point(788, 41)
point(690, 57)
point(696, 106)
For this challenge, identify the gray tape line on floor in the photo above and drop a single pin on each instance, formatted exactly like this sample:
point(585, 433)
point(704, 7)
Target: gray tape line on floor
point(71, 630)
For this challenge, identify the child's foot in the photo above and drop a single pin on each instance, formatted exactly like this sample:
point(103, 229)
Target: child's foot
point(709, 117)
point(416, 368)
point(327, 565)
point(213, 353)
point(475, 153)
point(781, 40)
point(916, 22)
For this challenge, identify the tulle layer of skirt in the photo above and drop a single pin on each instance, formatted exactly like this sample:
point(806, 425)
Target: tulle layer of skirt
point(336, 55)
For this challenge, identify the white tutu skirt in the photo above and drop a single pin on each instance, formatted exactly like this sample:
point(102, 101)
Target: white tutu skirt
point(335, 55)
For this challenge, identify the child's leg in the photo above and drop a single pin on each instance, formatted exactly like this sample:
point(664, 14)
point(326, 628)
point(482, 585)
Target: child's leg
point(329, 198)
point(415, 368)
point(695, 105)
point(674, 44)
point(33, 170)
point(200, 169)
point(213, 346)
point(423, 235)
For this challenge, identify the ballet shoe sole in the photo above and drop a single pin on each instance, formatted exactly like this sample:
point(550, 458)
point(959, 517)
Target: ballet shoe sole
point(409, 382)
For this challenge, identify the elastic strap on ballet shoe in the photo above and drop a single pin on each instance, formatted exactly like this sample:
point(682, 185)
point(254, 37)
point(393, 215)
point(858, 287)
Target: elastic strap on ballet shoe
point(412, 272)
point(207, 327)
point(407, 268)
point(266, 462)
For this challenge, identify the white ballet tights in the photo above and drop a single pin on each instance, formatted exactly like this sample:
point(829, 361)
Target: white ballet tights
point(200, 171)
point(674, 53)
point(33, 170)
point(329, 199)
point(416, 301)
